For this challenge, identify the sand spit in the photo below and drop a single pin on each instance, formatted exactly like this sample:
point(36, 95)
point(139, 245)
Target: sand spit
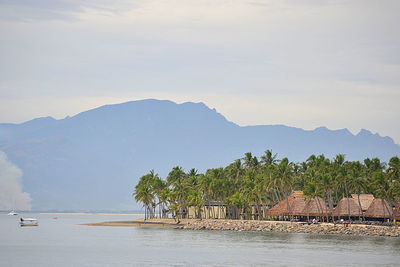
point(159, 223)
point(261, 226)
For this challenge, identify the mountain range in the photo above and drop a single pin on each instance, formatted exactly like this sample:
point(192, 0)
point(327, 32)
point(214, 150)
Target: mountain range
point(92, 161)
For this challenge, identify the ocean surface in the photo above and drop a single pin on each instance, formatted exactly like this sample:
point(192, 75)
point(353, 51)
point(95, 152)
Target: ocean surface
point(59, 240)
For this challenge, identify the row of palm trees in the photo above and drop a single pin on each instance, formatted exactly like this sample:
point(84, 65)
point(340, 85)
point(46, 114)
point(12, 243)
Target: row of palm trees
point(252, 182)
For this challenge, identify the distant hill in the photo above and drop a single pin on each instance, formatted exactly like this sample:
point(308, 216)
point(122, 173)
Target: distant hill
point(93, 160)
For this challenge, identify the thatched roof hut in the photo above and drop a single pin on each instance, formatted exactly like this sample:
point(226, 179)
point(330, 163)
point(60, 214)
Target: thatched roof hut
point(379, 208)
point(293, 205)
point(397, 211)
point(365, 200)
point(347, 207)
point(315, 207)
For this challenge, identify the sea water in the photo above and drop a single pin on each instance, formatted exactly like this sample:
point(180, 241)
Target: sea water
point(59, 240)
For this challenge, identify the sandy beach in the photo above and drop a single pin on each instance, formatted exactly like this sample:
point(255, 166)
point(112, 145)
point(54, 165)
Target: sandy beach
point(260, 226)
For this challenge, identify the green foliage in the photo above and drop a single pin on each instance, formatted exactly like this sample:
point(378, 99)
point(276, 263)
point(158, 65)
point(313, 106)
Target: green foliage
point(251, 182)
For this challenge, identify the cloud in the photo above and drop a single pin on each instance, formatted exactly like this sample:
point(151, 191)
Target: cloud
point(11, 193)
point(29, 10)
point(294, 56)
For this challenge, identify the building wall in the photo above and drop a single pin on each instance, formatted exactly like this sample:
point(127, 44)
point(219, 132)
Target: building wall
point(208, 212)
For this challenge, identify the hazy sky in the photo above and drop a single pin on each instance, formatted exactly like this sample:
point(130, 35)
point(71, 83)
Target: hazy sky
point(304, 63)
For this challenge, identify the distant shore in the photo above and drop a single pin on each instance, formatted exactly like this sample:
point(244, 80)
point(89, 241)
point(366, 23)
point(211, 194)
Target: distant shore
point(92, 213)
point(260, 226)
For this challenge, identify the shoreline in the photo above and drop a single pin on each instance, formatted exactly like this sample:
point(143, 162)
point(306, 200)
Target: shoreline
point(259, 226)
point(150, 223)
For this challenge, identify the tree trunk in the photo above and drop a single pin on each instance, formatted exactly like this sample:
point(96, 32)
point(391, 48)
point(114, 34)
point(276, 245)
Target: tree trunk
point(361, 211)
point(287, 204)
point(348, 204)
point(330, 203)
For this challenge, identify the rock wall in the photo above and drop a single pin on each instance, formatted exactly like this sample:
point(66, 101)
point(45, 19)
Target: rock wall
point(292, 227)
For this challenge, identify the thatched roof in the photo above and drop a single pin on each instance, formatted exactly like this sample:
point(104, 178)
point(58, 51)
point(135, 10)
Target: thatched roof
point(365, 200)
point(293, 205)
point(379, 208)
point(397, 211)
point(315, 207)
point(347, 207)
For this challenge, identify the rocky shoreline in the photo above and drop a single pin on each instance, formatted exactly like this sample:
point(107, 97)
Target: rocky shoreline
point(293, 227)
point(262, 226)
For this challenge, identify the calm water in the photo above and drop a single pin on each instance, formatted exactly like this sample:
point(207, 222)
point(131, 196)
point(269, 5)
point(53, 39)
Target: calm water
point(62, 242)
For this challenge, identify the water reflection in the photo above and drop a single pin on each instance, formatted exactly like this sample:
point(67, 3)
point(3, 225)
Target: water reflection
point(63, 242)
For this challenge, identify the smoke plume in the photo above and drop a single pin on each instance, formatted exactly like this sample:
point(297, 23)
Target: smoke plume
point(11, 194)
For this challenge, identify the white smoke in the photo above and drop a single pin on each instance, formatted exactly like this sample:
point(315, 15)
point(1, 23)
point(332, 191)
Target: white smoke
point(11, 194)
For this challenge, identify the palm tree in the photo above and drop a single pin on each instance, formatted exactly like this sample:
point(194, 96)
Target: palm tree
point(237, 201)
point(269, 158)
point(339, 176)
point(393, 173)
point(195, 199)
point(394, 168)
point(249, 183)
point(317, 174)
point(312, 191)
point(283, 180)
point(177, 181)
point(382, 186)
point(144, 193)
point(235, 172)
point(159, 187)
point(250, 162)
point(176, 176)
point(373, 165)
point(355, 180)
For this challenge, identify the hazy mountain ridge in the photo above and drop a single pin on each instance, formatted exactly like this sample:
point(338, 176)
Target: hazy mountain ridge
point(93, 159)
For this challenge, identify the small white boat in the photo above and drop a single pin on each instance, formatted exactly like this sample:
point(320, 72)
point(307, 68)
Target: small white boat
point(28, 222)
point(12, 213)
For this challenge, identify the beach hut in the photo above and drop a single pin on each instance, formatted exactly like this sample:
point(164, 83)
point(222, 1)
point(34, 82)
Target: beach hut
point(316, 207)
point(365, 200)
point(211, 210)
point(347, 207)
point(379, 208)
point(214, 210)
point(397, 211)
point(259, 211)
point(293, 205)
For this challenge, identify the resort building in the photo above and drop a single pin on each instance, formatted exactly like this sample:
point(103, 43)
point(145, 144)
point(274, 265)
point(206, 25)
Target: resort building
point(379, 208)
point(316, 207)
point(298, 206)
point(397, 212)
point(347, 207)
point(364, 200)
point(293, 205)
point(211, 210)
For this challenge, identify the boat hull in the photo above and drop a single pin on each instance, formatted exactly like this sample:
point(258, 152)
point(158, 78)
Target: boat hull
point(28, 224)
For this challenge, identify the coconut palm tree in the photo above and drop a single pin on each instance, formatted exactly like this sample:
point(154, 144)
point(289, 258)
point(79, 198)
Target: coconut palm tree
point(382, 187)
point(313, 191)
point(195, 199)
point(269, 158)
point(283, 180)
point(393, 174)
point(178, 183)
point(144, 193)
point(356, 181)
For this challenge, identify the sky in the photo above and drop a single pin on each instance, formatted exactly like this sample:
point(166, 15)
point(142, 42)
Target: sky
point(302, 63)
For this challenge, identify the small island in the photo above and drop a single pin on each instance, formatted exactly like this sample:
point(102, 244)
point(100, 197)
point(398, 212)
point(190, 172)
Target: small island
point(320, 195)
